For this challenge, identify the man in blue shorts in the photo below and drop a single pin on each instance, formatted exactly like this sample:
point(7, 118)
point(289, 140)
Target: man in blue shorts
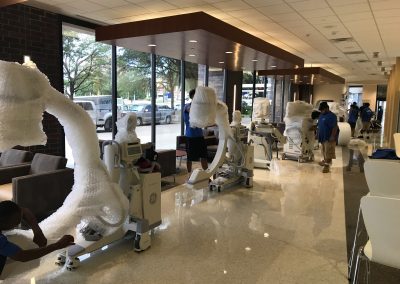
point(328, 132)
point(10, 217)
point(195, 144)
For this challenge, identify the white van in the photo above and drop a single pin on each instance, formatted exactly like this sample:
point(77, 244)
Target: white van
point(100, 109)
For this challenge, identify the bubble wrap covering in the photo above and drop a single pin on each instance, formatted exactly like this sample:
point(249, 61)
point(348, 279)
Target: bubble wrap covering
point(93, 194)
point(203, 108)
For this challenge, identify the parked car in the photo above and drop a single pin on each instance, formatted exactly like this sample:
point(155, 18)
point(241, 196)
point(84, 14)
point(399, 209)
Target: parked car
point(143, 113)
point(99, 109)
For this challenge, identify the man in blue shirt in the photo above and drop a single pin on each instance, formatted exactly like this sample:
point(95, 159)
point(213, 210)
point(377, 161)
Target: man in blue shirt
point(353, 116)
point(10, 217)
point(195, 144)
point(328, 132)
point(366, 116)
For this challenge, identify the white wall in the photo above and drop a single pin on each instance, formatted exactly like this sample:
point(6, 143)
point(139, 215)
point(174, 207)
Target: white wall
point(328, 92)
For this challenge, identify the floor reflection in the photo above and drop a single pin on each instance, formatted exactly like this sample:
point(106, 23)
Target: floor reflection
point(356, 158)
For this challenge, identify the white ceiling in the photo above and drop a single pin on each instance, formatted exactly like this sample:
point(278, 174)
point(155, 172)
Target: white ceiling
point(338, 35)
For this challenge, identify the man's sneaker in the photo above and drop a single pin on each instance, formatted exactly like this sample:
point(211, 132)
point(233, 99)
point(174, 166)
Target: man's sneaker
point(322, 163)
point(325, 169)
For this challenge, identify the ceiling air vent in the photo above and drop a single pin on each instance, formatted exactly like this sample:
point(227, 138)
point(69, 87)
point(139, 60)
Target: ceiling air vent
point(373, 74)
point(353, 52)
point(342, 39)
point(362, 61)
point(334, 57)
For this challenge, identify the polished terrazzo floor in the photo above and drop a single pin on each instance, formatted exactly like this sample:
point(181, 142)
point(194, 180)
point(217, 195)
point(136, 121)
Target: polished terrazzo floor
point(288, 228)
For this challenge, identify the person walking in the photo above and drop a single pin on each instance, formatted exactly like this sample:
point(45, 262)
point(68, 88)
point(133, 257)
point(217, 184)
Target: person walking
point(366, 116)
point(195, 144)
point(353, 116)
point(328, 132)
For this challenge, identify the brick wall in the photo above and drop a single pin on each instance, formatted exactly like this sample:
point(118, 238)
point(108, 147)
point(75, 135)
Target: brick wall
point(30, 31)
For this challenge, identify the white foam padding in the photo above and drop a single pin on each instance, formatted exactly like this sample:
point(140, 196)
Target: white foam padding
point(94, 196)
point(344, 134)
point(21, 106)
point(298, 109)
point(261, 108)
point(203, 108)
point(296, 112)
point(127, 128)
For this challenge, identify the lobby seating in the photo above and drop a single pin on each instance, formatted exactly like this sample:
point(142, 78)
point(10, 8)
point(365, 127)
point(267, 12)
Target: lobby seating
point(41, 186)
point(381, 217)
point(11, 158)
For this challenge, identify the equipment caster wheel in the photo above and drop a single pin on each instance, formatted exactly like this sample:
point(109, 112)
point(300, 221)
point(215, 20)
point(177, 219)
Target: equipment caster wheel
point(142, 242)
point(73, 264)
point(219, 188)
point(61, 259)
point(283, 157)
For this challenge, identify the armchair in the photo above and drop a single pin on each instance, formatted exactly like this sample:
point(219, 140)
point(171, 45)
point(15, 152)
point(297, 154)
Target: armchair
point(41, 186)
point(11, 158)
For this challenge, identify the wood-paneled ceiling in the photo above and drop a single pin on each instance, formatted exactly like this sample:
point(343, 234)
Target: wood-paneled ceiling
point(199, 38)
point(350, 38)
point(307, 75)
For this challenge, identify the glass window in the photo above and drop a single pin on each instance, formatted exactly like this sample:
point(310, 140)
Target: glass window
point(87, 75)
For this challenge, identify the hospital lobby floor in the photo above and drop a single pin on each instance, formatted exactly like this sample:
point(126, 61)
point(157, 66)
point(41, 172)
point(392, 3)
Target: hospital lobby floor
point(288, 228)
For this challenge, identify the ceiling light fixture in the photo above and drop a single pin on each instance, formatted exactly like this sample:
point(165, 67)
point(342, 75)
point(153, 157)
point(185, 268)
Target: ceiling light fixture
point(152, 44)
point(375, 54)
point(379, 63)
point(254, 60)
point(272, 66)
point(193, 40)
point(382, 69)
point(229, 52)
point(221, 62)
point(192, 55)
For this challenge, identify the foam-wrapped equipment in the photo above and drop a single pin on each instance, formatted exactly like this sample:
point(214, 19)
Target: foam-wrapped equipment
point(236, 117)
point(203, 108)
point(24, 94)
point(21, 105)
point(261, 108)
point(127, 128)
point(296, 112)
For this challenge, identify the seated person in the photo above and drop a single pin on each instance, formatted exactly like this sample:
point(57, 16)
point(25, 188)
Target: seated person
point(10, 217)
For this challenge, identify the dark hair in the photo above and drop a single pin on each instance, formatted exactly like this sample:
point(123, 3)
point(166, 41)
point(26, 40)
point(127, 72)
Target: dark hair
point(8, 209)
point(191, 93)
point(315, 114)
point(323, 105)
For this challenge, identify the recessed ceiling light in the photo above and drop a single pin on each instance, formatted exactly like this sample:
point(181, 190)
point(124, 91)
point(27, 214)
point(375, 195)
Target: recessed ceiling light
point(193, 40)
point(221, 62)
point(272, 66)
point(152, 44)
point(192, 55)
point(254, 60)
point(228, 52)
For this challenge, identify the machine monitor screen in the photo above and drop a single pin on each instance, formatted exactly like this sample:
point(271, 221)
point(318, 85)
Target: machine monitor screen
point(134, 150)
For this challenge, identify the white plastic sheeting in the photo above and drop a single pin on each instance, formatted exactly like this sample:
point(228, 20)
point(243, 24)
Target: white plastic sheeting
point(24, 94)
